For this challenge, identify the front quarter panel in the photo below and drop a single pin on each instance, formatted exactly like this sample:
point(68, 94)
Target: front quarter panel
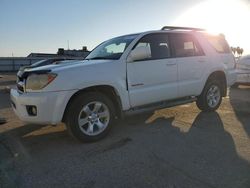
point(111, 73)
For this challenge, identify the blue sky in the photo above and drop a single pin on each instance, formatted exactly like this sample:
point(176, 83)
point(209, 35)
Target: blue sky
point(45, 25)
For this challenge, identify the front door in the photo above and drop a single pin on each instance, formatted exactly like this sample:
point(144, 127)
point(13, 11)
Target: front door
point(154, 79)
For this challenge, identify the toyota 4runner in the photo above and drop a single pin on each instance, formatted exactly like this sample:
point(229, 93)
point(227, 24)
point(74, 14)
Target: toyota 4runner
point(125, 75)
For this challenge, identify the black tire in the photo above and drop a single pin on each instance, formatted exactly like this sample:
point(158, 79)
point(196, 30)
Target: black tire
point(202, 101)
point(74, 110)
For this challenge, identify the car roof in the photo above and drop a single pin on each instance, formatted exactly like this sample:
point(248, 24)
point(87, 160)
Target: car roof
point(170, 29)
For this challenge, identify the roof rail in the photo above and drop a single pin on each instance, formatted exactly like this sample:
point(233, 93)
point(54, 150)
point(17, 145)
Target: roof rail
point(181, 28)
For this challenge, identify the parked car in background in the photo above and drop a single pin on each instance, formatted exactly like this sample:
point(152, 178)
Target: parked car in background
point(126, 75)
point(45, 62)
point(243, 71)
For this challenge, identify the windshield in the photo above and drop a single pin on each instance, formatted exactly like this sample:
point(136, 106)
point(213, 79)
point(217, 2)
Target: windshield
point(111, 49)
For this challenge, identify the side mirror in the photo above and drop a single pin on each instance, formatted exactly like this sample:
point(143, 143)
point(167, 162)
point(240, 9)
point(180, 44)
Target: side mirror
point(139, 53)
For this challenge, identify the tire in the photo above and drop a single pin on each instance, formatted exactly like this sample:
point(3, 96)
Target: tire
point(90, 116)
point(211, 96)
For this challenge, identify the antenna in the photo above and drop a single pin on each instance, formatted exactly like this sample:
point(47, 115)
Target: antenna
point(68, 44)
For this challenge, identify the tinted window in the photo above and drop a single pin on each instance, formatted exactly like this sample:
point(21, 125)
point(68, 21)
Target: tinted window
point(158, 45)
point(185, 45)
point(219, 43)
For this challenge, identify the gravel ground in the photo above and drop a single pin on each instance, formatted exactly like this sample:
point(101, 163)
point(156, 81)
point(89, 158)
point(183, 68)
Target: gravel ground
point(178, 147)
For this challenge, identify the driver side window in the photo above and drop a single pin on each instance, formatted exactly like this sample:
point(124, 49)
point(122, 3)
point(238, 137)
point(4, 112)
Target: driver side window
point(158, 45)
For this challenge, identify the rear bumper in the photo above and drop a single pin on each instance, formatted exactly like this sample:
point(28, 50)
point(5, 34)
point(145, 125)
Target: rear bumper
point(50, 105)
point(243, 77)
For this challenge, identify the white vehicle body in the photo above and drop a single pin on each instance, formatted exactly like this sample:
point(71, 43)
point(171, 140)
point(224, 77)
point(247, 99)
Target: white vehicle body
point(135, 84)
point(243, 70)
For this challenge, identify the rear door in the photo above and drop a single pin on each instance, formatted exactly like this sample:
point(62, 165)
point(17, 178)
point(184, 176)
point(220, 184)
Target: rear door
point(191, 61)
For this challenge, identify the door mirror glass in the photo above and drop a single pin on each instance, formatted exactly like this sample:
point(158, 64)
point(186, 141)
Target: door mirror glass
point(140, 53)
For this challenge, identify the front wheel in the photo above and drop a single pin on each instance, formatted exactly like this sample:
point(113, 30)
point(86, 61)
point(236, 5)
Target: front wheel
point(90, 116)
point(211, 97)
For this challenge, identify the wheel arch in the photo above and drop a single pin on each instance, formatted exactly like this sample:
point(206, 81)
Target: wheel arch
point(107, 90)
point(221, 77)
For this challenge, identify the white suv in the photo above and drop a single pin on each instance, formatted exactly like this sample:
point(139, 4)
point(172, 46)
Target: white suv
point(125, 75)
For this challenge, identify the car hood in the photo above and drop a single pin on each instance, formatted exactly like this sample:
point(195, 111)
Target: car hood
point(67, 66)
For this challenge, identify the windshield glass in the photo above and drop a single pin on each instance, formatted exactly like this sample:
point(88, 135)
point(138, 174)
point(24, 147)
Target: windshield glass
point(112, 49)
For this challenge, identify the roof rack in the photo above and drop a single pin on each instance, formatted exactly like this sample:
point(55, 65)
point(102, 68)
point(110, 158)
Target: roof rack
point(181, 28)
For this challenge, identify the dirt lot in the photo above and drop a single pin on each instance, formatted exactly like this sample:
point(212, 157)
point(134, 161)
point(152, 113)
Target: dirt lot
point(178, 147)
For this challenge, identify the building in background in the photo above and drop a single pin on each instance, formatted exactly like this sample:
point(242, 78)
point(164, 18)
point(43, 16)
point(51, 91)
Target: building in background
point(73, 53)
point(43, 55)
point(14, 63)
point(82, 53)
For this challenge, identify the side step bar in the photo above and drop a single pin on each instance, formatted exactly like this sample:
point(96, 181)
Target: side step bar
point(159, 105)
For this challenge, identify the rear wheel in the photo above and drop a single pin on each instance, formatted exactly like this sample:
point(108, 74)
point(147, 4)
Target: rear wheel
point(90, 116)
point(211, 96)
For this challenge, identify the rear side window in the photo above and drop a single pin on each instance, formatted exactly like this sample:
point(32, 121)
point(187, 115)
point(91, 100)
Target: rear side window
point(158, 44)
point(219, 43)
point(185, 45)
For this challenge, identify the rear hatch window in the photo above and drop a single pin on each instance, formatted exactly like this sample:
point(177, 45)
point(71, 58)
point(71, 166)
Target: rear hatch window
point(219, 43)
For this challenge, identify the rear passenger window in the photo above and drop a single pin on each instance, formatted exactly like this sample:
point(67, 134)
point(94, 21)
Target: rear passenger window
point(219, 43)
point(185, 45)
point(158, 44)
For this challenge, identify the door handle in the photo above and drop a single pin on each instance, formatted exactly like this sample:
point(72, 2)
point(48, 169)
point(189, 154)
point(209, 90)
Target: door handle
point(170, 64)
point(201, 60)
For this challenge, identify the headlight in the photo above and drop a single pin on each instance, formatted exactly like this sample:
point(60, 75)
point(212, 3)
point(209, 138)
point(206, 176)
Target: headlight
point(39, 81)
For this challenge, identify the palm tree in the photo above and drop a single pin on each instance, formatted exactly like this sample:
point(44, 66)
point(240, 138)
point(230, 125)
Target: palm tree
point(241, 51)
point(233, 50)
point(237, 50)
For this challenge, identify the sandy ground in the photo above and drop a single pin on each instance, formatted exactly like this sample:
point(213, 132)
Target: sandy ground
point(178, 147)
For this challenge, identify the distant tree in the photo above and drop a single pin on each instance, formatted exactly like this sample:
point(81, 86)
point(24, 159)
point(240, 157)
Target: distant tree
point(237, 50)
point(233, 50)
point(241, 51)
